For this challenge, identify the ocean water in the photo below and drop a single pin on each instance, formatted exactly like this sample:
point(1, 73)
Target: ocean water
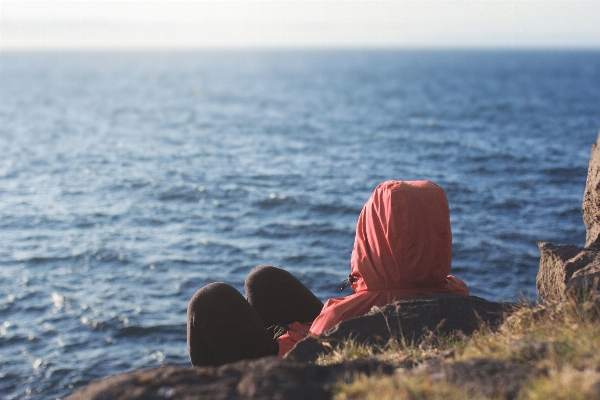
point(130, 180)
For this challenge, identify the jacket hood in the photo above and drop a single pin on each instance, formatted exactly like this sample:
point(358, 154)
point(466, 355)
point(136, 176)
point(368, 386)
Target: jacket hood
point(403, 238)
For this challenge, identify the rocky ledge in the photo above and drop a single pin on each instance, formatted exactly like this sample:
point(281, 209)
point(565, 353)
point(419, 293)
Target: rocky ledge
point(566, 272)
point(297, 376)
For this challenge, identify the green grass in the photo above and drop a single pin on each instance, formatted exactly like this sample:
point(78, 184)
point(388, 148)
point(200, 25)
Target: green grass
point(568, 366)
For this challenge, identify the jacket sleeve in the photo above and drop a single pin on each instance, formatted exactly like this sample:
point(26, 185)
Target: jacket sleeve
point(457, 286)
point(297, 331)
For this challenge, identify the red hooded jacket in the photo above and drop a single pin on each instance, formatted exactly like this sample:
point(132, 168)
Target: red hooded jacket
point(403, 248)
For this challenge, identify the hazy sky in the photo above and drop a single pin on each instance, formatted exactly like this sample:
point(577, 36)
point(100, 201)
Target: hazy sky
point(314, 24)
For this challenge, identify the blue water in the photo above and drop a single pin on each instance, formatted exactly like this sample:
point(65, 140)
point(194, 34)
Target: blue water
point(128, 181)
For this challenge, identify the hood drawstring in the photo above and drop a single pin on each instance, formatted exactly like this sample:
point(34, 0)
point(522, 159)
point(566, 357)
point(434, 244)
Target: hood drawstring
point(348, 281)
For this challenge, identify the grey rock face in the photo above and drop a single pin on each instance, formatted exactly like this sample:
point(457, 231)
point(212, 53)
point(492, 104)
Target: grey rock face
point(591, 200)
point(571, 271)
point(405, 319)
point(581, 286)
point(559, 263)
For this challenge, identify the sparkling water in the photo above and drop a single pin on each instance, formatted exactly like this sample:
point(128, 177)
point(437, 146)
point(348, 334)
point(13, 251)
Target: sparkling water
point(130, 180)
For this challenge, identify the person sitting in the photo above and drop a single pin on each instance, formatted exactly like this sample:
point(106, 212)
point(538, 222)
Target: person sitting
point(402, 249)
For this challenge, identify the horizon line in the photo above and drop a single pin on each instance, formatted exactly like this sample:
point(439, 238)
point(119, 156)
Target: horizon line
point(300, 48)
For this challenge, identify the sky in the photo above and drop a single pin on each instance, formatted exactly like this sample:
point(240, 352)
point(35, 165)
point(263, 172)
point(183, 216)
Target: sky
point(163, 25)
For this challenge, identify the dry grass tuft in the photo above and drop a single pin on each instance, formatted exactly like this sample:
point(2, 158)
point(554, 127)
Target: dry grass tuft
point(559, 340)
point(400, 352)
point(411, 387)
point(566, 383)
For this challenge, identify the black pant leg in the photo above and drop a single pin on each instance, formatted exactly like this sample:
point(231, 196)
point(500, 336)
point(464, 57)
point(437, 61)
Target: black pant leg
point(280, 298)
point(222, 327)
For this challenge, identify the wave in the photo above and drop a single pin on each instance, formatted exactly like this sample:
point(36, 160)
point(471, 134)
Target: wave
point(187, 193)
point(140, 332)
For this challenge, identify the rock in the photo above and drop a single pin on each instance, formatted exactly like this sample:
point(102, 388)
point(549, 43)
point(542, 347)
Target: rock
point(559, 263)
point(567, 270)
point(265, 378)
point(591, 200)
point(405, 319)
point(488, 377)
point(582, 285)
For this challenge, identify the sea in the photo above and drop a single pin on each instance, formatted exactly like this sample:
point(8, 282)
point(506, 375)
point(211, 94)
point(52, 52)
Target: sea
point(128, 180)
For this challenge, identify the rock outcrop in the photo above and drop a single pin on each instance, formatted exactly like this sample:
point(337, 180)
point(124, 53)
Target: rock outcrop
point(293, 377)
point(273, 378)
point(266, 378)
point(405, 319)
point(566, 269)
point(571, 271)
point(591, 200)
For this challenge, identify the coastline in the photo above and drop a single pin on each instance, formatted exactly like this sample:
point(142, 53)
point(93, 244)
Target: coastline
point(525, 351)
